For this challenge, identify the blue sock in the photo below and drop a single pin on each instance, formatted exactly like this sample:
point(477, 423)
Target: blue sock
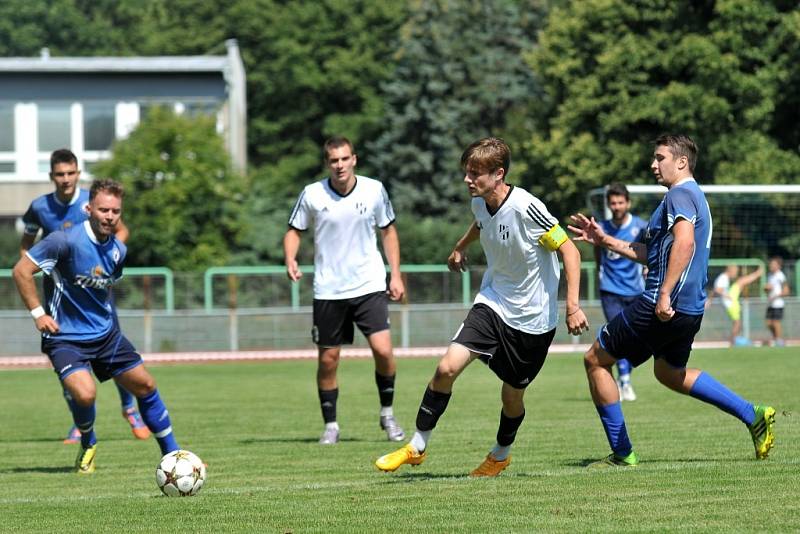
point(707, 389)
point(623, 367)
point(84, 420)
point(156, 417)
point(126, 399)
point(614, 425)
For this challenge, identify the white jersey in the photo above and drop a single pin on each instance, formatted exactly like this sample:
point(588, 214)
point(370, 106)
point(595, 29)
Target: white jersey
point(722, 285)
point(776, 281)
point(521, 280)
point(347, 262)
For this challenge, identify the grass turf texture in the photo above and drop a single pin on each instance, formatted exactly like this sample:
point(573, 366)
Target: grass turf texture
point(257, 426)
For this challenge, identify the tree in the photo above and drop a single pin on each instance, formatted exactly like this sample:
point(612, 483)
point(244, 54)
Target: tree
point(617, 73)
point(182, 202)
point(459, 76)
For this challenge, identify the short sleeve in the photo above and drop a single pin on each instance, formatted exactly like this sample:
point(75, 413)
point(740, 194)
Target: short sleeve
point(300, 217)
point(49, 251)
point(31, 221)
point(679, 204)
point(538, 219)
point(384, 212)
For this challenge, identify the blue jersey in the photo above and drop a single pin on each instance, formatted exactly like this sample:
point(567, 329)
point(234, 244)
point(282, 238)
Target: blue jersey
point(50, 214)
point(684, 201)
point(618, 274)
point(80, 272)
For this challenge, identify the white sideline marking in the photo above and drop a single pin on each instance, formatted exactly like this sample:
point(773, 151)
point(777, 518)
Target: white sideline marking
point(20, 362)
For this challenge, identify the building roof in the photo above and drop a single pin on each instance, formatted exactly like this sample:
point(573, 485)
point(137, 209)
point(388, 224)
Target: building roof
point(46, 64)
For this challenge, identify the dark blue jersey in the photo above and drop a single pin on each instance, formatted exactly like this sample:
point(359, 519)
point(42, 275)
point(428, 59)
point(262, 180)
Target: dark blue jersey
point(618, 274)
point(50, 214)
point(683, 201)
point(80, 273)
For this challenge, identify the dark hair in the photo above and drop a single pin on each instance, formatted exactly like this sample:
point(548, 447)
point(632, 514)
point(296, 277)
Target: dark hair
point(487, 155)
point(336, 142)
point(617, 189)
point(62, 155)
point(106, 185)
point(679, 145)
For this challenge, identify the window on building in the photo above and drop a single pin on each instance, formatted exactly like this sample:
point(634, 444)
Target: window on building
point(6, 127)
point(54, 126)
point(98, 126)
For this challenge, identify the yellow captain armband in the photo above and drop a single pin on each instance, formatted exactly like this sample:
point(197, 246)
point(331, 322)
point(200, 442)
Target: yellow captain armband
point(553, 239)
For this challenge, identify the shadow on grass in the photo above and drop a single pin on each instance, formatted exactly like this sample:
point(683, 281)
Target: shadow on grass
point(585, 462)
point(406, 478)
point(252, 441)
point(18, 470)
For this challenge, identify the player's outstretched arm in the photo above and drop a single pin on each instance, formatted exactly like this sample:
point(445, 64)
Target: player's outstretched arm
point(457, 261)
point(391, 248)
point(23, 277)
point(571, 257)
point(589, 230)
point(748, 279)
point(291, 244)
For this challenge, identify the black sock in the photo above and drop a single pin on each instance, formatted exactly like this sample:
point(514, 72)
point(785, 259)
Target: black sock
point(507, 430)
point(327, 401)
point(431, 409)
point(385, 389)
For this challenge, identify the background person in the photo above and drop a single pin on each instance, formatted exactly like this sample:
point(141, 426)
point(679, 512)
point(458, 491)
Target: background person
point(728, 287)
point(63, 208)
point(349, 276)
point(621, 279)
point(777, 287)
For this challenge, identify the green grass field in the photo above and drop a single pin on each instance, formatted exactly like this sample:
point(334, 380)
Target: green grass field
point(257, 425)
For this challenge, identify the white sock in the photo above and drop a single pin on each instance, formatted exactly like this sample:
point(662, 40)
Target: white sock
point(499, 452)
point(624, 379)
point(420, 439)
point(334, 426)
point(386, 410)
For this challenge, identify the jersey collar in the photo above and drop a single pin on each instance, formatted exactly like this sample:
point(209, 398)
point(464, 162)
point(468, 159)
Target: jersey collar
point(75, 196)
point(87, 226)
point(503, 203)
point(337, 193)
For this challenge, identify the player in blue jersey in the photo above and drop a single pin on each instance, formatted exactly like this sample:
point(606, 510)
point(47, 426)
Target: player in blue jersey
point(621, 279)
point(63, 208)
point(663, 321)
point(79, 329)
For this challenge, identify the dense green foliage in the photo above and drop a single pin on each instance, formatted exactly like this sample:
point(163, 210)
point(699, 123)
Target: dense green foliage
point(182, 200)
point(617, 73)
point(577, 88)
point(257, 424)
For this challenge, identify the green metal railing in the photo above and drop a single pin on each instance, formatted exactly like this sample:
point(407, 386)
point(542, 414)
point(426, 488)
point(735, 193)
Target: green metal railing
point(280, 270)
point(169, 282)
point(136, 272)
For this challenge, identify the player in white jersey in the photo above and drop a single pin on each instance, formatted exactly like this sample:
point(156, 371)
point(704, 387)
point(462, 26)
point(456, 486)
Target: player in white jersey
point(776, 289)
point(513, 319)
point(349, 276)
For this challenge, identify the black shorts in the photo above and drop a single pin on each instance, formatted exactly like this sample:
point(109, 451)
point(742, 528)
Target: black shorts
point(516, 357)
point(636, 334)
point(333, 319)
point(774, 314)
point(108, 356)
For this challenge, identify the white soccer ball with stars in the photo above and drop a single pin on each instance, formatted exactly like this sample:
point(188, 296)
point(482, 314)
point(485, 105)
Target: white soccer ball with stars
point(180, 474)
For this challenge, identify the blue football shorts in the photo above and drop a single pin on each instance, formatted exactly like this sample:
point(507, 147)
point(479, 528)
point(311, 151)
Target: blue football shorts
point(636, 334)
point(107, 356)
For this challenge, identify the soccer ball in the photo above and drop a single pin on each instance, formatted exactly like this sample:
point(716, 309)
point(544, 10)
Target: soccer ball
point(180, 474)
